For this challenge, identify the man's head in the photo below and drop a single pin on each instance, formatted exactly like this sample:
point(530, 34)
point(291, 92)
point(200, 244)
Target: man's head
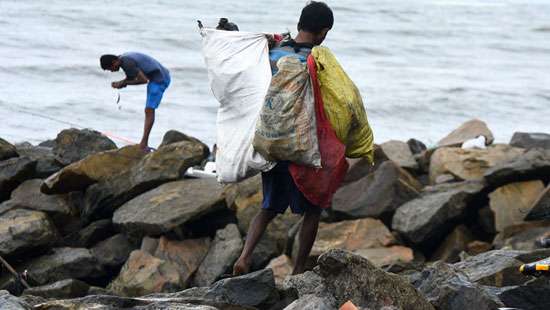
point(317, 19)
point(110, 62)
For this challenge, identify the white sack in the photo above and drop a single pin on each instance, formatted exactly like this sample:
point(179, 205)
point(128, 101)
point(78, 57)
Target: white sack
point(239, 75)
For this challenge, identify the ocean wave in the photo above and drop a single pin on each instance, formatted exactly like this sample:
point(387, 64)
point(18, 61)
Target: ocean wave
point(542, 29)
point(52, 70)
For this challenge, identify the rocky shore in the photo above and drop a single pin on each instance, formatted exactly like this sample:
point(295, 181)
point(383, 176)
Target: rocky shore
point(92, 226)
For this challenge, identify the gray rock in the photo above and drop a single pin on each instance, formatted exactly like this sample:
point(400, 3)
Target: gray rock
point(523, 236)
point(416, 146)
point(265, 250)
point(469, 130)
point(377, 195)
point(533, 164)
point(9, 302)
point(534, 295)
point(169, 206)
point(453, 245)
point(221, 256)
point(7, 150)
point(63, 263)
point(428, 218)
point(173, 136)
point(46, 164)
point(89, 235)
point(400, 153)
point(541, 208)
point(113, 252)
point(531, 140)
point(69, 288)
point(23, 230)
point(13, 172)
point(48, 143)
point(256, 289)
point(167, 164)
point(447, 288)
point(72, 144)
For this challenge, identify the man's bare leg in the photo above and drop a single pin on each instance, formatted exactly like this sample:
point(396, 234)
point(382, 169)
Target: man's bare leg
point(147, 126)
point(307, 238)
point(255, 232)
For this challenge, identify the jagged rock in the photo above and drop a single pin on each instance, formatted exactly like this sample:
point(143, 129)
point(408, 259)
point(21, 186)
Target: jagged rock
point(149, 245)
point(69, 288)
point(32, 300)
point(477, 247)
point(96, 290)
point(310, 302)
point(361, 167)
point(7, 150)
point(454, 243)
point(400, 153)
point(144, 274)
point(541, 207)
point(366, 237)
point(531, 140)
point(169, 206)
point(256, 289)
point(24, 230)
point(444, 178)
point(469, 130)
point(47, 143)
point(72, 144)
point(46, 164)
point(63, 263)
point(186, 255)
point(531, 165)
point(447, 288)
point(377, 195)
point(343, 276)
point(265, 250)
point(90, 235)
point(429, 218)
point(167, 164)
point(173, 136)
point(469, 164)
point(113, 252)
point(512, 201)
point(522, 236)
point(91, 169)
point(534, 295)
point(495, 268)
point(13, 172)
point(9, 302)
point(221, 256)
point(416, 146)
point(242, 190)
point(486, 220)
point(282, 267)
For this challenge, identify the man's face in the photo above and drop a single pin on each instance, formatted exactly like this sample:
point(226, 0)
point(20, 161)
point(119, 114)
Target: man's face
point(115, 66)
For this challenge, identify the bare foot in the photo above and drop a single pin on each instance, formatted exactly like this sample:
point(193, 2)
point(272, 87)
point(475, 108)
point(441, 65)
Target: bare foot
point(241, 267)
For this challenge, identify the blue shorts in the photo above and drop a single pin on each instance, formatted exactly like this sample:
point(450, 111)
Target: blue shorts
point(280, 191)
point(155, 91)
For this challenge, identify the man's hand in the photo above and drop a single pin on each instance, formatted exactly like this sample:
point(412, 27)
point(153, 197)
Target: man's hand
point(119, 84)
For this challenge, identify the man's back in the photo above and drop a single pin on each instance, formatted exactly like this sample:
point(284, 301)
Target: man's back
point(154, 71)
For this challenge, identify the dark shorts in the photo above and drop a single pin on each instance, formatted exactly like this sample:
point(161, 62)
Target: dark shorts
point(280, 191)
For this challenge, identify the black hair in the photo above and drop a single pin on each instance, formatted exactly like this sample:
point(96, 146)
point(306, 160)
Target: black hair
point(224, 24)
point(106, 61)
point(315, 17)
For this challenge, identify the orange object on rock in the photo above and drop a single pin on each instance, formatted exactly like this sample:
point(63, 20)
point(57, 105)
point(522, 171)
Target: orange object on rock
point(348, 306)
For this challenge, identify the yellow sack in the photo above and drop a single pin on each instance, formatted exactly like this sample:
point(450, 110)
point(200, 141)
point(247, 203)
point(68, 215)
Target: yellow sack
point(343, 105)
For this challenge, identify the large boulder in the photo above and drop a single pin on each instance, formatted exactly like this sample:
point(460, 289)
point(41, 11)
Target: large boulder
point(13, 172)
point(113, 252)
point(469, 164)
point(447, 288)
point(145, 274)
point(91, 169)
point(469, 130)
point(256, 289)
point(24, 230)
point(167, 164)
point(361, 167)
point(512, 201)
point(531, 165)
point(541, 207)
point(282, 267)
point(187, 255)
point(46, 163)
point(427, 219)
point(7, 150)
point(531, 140)
point(89, 235)
point(169, 206)
point(9, 302)
point(173, 136)
point(73, 144)
point(342, 276)
point(69, 288)
point(377, 195)
point(368, 237)
point(400, 153)
point(63, 263)
point(522, 236)
point(456, 242)
point(533, 295)
point(223, 252)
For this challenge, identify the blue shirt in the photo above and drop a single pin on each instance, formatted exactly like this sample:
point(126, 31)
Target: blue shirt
point(153, 70)
point(289, 48)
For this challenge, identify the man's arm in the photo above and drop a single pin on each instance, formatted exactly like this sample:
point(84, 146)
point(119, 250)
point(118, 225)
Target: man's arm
point(140, 79)
point(148, 124)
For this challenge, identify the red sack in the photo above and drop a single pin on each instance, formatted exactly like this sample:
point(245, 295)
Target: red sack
point(319, 184)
